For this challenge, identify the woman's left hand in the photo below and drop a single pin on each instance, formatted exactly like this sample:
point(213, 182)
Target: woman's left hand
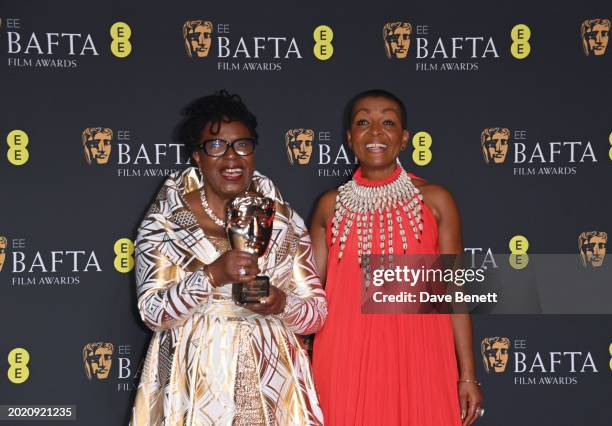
point(470, 402)
point(271, 305)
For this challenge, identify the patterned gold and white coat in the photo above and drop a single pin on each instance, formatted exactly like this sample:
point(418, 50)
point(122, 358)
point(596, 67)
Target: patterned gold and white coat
point(211, 361)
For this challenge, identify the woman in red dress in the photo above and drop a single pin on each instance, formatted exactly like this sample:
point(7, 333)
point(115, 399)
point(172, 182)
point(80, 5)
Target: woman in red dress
point(387, 369)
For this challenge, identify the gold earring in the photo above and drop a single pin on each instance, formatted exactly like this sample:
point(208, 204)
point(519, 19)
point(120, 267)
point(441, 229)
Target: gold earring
point(403, 148)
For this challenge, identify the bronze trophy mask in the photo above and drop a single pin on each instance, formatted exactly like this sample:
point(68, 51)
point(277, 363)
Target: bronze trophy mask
point(249, 220)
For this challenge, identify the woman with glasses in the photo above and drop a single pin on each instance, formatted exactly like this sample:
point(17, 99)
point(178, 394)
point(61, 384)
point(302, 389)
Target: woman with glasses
point(212, 361)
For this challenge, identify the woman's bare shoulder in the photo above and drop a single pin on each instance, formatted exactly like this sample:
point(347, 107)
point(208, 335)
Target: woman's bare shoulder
point(325, 207)
point(437, 197)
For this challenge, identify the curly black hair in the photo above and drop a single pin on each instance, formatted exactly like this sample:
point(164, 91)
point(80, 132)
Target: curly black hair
point(212, 109)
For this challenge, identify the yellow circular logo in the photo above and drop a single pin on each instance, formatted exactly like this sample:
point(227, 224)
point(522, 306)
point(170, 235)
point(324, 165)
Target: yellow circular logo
point(421, 141)
point(124, 259)
point(323, 48)
point(520, 47)
point(519, 258)
point(18, 360)
point(121, 32)
point(519, 261)
point(17, 153)
point(519, 244)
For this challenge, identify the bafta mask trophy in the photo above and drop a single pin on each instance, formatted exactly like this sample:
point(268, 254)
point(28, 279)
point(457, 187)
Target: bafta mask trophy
point(249, 228)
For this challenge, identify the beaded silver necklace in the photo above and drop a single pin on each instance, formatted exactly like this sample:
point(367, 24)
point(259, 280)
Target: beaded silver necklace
point(359, 203)
point(211, 214)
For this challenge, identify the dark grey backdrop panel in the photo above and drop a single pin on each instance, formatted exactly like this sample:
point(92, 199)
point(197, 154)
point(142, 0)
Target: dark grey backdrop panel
point(56, 202)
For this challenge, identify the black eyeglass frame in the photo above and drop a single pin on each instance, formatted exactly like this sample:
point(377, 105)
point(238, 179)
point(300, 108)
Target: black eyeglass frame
point(202, 146)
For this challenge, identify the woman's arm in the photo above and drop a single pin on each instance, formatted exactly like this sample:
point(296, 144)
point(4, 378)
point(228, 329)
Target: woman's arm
point(163, 302)
point(305, 314)
point(306, 307)
point(303, 308)
point(450, 242)
point(323, 211)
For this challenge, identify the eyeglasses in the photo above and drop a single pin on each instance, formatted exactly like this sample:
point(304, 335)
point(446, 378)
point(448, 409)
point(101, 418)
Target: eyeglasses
point(218, 147)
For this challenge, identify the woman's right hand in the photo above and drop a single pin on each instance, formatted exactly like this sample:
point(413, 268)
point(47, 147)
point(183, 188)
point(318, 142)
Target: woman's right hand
point(227, 268)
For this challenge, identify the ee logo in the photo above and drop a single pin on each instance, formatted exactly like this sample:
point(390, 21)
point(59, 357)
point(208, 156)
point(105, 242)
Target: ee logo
point(421, 141)
point(323, 48)
point(519, 258)
point(120, 33)
point(18, 153)
point(610, 350)
point(18, 360)
point(610, 151)
point(520, 47)
point(124, 255)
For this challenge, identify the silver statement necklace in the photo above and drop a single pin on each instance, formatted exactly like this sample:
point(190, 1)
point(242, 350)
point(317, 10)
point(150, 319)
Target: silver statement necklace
point(211, 214)
point(359, 203)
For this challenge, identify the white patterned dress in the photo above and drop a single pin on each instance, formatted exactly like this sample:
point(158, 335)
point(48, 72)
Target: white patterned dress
point(211, 362)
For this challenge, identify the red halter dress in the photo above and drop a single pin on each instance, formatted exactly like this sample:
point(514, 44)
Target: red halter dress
point(383, 369)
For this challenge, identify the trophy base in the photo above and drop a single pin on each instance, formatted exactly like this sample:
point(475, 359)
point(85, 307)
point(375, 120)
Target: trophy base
point(252, 291)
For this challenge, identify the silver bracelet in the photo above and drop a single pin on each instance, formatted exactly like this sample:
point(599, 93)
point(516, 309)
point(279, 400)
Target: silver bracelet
point(474, 381)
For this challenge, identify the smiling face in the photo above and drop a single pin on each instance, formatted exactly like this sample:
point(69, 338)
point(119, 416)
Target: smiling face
point(230, 174)
point(376, 135)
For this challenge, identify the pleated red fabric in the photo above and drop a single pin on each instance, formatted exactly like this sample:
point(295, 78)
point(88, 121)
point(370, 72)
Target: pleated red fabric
point(383, 369)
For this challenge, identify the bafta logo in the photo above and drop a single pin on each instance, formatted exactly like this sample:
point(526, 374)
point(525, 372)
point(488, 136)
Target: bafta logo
point(592, 246)
point(98, 358)
point(495, 351)
point(595, 34)
point(3, 243)
point(97, 144)
point(396, 36)
point(494, 142)
point(198, 37)
point(299, 145)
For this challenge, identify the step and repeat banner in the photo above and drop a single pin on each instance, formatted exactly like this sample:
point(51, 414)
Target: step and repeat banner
point(509, 107)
